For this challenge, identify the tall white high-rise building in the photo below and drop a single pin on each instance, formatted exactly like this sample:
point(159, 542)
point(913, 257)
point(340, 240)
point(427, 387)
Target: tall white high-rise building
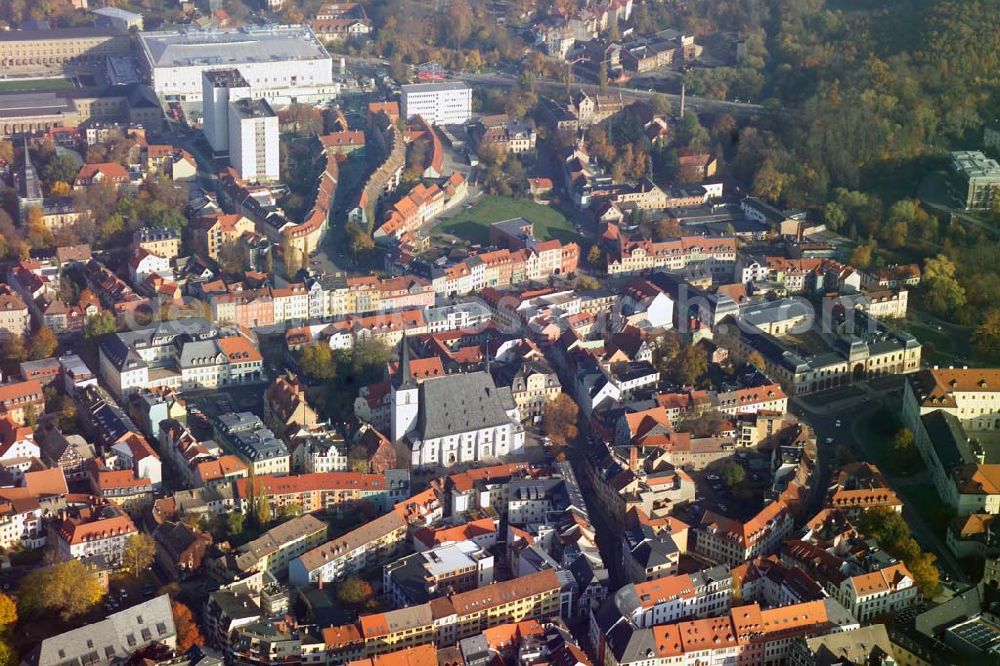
point(253, 139)
point(438, 103)
point(219, 87)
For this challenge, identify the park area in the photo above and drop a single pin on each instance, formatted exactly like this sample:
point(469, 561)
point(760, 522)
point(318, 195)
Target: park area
point(17, 85)
point(472, 224)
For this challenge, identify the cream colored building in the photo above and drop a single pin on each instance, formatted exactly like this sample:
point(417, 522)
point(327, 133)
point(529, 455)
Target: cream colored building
point(164, 243)
point(39, 51)
point(14, 316)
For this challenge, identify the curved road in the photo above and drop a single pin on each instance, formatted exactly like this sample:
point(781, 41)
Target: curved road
point(691, 102)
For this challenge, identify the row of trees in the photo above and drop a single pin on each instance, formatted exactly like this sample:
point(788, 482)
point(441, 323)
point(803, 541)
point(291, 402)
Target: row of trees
point(892, 533)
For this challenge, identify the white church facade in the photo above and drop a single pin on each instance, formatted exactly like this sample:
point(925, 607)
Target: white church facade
point(453, 419)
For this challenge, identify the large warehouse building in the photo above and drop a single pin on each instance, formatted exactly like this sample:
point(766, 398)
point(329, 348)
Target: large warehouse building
point(279, 56)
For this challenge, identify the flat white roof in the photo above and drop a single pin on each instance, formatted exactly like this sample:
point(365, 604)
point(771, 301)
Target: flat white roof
point(191, 48)
point(115, 12)
point(434, 87)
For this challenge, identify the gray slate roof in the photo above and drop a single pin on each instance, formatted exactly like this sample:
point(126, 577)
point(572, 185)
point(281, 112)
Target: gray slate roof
point(461, 403)
point(112, 639)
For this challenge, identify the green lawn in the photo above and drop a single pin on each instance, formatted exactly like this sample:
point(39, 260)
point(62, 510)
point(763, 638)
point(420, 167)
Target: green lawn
point(942, 347)
point(34, 84)
point(473, 224)
point(924, 499)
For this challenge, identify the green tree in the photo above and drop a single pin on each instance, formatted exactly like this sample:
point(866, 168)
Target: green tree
point(902, 442)
point(234, 523)
point(733, 474)
point(317, 361)
point(665, 350)
point(59, 169)
point(100, 324)
point(834, 216)
point(288, 511)
point(690, 132)
point(661, 104)
point(368, 355)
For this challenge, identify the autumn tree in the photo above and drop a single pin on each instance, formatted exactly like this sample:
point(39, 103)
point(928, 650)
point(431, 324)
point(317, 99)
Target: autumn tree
point(756, 360)
point(317, 361)
point(666, 228)
point(689, 365)
point(665, 348)
point(892, 533)
point(769, 183)
point(863, 255)
point(13, 350)
point(138, 553)
point(354, 591)
point(59, 169)
point(594, 255)
point(68, 589)
point(188, 635)
point(944, 294)
point(708, 424)
point(8, 612)
point(234, 258)
point(39, 235)
point(43, 344)
point(559, 419)
point(986, 336)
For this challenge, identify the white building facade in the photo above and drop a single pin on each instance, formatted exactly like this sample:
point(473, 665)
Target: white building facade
point(438, 103)
point(253, 140)
point(275, 56)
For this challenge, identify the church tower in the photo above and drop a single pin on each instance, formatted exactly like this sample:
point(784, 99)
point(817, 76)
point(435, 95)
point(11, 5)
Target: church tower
point(405, 396)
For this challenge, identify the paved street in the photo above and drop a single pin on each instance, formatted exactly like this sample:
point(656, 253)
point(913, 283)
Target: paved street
point(850, 412)
point(692, 102)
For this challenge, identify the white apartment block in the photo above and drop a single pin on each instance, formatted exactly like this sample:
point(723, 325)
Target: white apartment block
point(253, 140)
point(438, 103)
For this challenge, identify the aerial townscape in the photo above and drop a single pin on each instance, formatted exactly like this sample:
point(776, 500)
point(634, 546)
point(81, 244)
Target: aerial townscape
point(499, 332)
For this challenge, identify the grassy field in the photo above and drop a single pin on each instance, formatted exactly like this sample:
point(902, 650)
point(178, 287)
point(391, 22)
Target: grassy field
point(14, 85)
point(473, 224)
